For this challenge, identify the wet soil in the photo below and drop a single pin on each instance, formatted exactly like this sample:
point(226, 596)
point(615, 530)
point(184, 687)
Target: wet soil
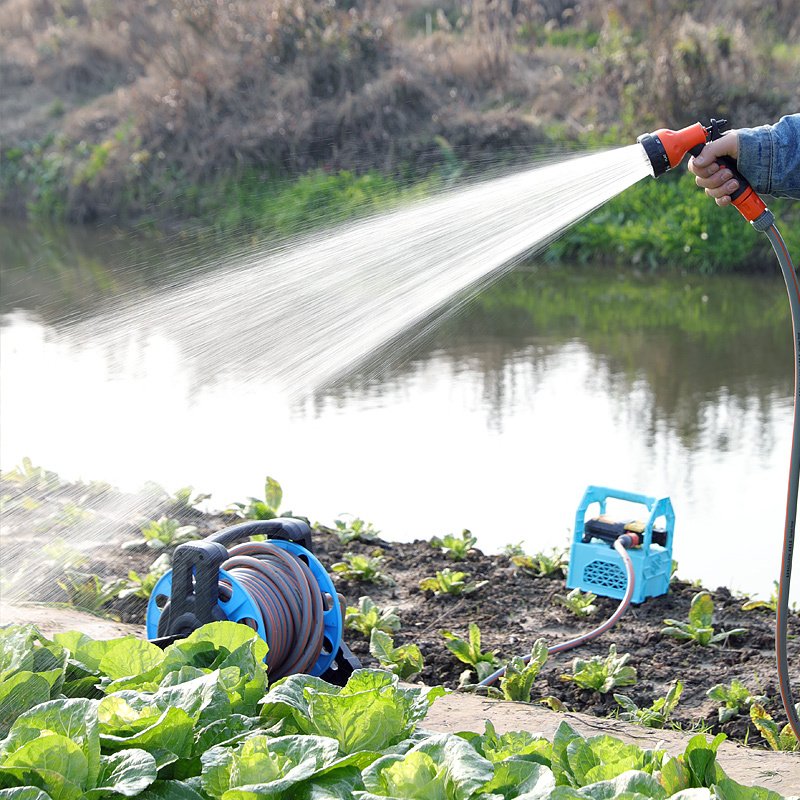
point(512, 609)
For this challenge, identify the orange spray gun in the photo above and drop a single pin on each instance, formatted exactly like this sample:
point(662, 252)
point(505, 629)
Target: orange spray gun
point(665, 149)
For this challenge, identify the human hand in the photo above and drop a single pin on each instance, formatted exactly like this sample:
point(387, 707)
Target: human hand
point(715, 178)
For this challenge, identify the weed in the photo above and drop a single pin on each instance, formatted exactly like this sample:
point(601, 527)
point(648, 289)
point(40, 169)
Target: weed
point(368, 616)
point(735, 698)
point(580, 604)
point(268, 508)
point(68, 516)
point(699, 627)
point(654, 716)
point(513, 549)
point(143, 585)
point(777, 738)
point(357, 568)
point(450, 581)
point(64, 554)
point(768, 605)
point(404, 661)
point(89, 592)
point(350, 529)
point(517, 683)
point(468, 651)
point(30, 478)
point(17, 501)
point(164, 532)
point(184, 501)
point(543, 565)
point(456, 547)
point(553, 703)
point(603, 673)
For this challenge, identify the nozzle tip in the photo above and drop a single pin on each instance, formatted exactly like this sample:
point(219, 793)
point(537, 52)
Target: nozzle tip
point(655, 152)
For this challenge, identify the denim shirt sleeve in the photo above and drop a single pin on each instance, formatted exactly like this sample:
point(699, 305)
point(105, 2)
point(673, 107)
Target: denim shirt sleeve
point(769, 157)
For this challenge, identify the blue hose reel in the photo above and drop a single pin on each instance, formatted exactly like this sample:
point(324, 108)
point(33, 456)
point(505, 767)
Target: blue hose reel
point(594, 565)
point(197, 591)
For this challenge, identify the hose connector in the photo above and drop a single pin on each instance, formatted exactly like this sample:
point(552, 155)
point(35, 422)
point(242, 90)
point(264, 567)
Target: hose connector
point(629, 540)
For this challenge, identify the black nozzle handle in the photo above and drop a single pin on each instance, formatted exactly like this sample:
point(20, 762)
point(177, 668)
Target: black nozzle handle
point(715, 131)
point(287, 528)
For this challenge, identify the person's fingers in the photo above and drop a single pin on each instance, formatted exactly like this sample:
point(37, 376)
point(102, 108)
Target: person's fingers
point(714, 181)
point(703, 172)
point(726, 145)
point(725, 200)
point(725, 190)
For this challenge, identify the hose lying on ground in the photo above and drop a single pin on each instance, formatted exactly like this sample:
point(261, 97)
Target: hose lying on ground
point(620, 545)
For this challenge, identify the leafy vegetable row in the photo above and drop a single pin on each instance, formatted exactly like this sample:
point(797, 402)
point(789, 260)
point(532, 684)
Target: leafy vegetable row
point(93, 719)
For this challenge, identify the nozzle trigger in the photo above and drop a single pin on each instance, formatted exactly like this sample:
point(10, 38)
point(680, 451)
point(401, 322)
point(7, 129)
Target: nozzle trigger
point(716, 128)
point(713, 132)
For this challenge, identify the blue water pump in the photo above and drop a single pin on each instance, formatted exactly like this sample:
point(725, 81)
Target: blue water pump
point(277, 587)
point(594, 565)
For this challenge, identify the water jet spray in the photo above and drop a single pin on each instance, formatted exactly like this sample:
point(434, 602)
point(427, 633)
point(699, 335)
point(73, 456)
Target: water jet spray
point(250, 583)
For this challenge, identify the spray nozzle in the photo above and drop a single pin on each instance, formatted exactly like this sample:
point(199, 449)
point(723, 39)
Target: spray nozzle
point(665, 149)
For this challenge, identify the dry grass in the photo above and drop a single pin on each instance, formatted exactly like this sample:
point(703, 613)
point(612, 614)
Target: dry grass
point(145, 95)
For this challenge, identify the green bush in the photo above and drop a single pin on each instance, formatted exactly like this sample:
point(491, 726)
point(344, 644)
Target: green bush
point(671, 223)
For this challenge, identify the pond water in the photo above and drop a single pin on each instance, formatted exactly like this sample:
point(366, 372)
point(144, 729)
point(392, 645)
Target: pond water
point(496, 420)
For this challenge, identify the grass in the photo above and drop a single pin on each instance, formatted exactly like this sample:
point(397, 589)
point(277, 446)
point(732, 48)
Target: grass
point(671, 223)
point(279, 208)
point(654, 225)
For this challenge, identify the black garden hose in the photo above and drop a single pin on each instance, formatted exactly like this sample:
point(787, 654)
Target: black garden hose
point(766, 224)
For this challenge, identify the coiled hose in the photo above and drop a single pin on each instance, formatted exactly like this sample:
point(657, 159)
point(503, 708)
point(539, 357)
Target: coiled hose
point(620, 545)
point(288, 599)
point(766, 224)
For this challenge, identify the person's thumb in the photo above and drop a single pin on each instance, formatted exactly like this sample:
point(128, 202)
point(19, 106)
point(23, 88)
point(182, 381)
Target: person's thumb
point(726, 145)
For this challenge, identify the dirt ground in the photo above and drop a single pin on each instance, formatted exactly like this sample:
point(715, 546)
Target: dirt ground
point(512, 609)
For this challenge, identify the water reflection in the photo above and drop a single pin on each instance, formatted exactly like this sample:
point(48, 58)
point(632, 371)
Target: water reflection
point(495, 420)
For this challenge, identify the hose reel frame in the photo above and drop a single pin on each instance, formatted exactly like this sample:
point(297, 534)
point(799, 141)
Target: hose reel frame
point(188, 596)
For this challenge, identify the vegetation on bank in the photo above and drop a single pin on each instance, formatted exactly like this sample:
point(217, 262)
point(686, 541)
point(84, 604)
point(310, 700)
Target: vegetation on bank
point(200, 719)
point(670, 223)
point(36, 502)
point(270, 116)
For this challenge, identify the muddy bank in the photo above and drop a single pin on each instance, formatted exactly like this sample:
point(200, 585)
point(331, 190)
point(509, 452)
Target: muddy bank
point(512, 608)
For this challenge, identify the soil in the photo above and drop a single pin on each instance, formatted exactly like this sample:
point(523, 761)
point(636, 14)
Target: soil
point(512, 609)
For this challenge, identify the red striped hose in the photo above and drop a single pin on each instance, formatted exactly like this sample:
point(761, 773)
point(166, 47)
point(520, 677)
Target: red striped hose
point(288, 599)
point(620, 545)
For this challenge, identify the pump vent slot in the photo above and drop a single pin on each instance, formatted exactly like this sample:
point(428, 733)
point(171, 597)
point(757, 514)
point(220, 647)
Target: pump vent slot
point(601, 573)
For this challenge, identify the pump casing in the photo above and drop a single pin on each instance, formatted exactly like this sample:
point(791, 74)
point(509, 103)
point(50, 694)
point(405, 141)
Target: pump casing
point(594, 565)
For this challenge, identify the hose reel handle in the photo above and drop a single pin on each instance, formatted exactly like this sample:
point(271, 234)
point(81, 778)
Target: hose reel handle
point(194, 594)
point(287, 528)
